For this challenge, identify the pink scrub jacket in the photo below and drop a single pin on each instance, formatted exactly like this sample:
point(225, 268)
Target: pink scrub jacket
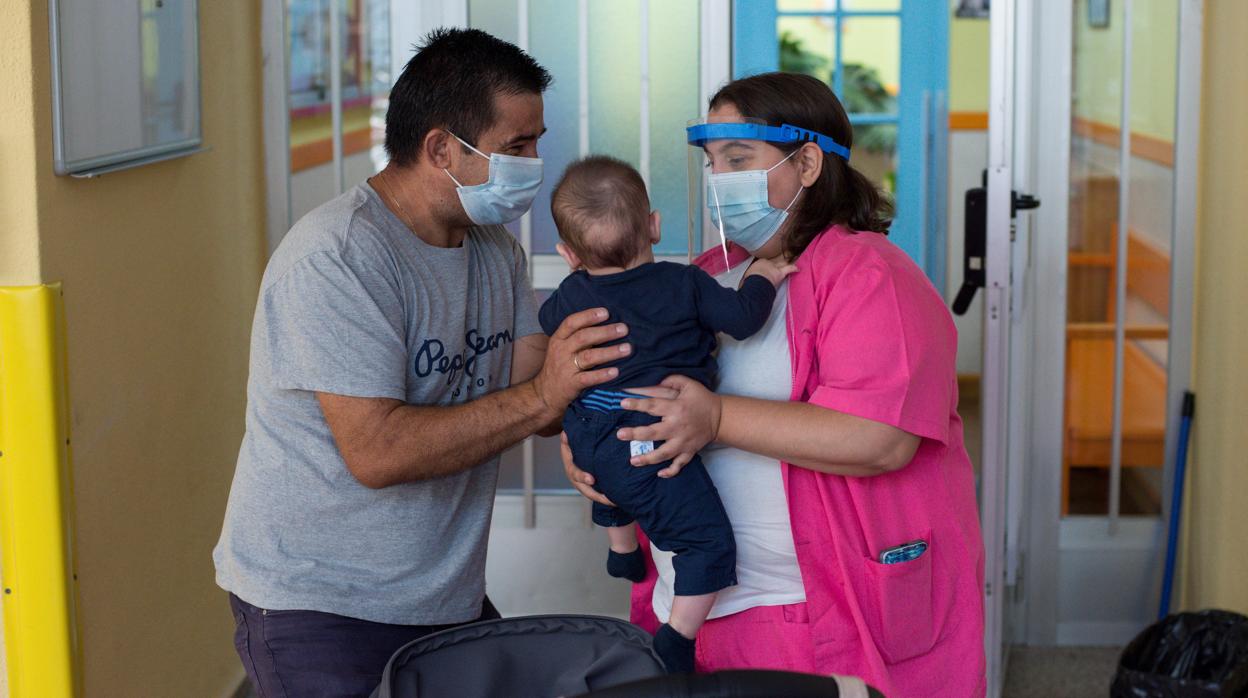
point(871, 337)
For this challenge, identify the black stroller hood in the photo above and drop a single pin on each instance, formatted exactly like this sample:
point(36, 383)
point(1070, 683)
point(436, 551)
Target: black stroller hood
point(538, 656)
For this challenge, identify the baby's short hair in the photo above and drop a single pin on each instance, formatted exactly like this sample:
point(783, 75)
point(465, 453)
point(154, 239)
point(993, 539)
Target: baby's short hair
point(602, 211)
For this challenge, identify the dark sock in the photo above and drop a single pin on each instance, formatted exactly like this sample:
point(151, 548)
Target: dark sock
point(676, 650)
point(630, 566)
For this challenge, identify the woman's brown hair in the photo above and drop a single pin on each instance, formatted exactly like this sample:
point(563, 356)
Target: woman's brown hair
point(841, 194)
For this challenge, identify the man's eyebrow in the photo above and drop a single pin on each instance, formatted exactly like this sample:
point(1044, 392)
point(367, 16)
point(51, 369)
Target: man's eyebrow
point(527, 137)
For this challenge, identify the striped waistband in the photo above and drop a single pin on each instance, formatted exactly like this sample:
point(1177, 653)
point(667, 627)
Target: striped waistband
point(604, 400)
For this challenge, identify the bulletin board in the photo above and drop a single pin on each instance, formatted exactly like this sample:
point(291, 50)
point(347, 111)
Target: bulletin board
point(125, 83)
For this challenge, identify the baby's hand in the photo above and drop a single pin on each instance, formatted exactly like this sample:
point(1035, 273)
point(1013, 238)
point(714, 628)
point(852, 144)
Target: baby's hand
point(771, 271)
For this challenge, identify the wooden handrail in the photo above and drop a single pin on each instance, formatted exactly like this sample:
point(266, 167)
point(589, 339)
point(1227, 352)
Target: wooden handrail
point(1105, 330)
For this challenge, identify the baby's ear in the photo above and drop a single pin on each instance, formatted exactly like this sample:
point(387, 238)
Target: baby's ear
point(569, 256)
point(656, 232)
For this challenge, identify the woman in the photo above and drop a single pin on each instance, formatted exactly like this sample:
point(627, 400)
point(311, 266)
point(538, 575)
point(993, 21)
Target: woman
point(836, 444)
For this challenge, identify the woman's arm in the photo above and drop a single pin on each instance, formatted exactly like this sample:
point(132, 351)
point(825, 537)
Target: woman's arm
point(799, 433)
point(814, 437)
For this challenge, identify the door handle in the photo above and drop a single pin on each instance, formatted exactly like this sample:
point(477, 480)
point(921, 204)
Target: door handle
point(975, 240)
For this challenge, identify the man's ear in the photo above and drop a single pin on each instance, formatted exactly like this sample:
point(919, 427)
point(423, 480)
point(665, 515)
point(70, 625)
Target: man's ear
point(569, 256)
point(656, 232)
point(810, 163)
point(436, 148)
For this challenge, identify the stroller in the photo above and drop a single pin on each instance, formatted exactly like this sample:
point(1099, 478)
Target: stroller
point(568, 655)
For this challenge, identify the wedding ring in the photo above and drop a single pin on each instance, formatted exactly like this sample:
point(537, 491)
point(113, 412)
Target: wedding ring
point(577, 363)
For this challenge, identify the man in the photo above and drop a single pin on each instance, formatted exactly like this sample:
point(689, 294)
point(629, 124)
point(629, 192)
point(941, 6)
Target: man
point(395, 353)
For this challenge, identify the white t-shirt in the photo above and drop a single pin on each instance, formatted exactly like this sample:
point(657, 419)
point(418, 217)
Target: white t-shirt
point(749, 485)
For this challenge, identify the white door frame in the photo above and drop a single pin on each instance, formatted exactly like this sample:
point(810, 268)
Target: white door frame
point(996, 371)
point(1054, 66)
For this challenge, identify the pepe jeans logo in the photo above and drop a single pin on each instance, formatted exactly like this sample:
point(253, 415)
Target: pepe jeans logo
point(432, 357)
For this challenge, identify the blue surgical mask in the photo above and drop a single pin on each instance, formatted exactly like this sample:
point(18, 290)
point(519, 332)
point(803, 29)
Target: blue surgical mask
point(739, 207)
point(507, 194)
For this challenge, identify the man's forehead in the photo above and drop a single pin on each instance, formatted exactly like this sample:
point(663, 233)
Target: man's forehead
point(519, 117)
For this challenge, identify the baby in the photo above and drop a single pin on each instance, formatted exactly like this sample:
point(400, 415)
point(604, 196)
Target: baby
point(672, 312)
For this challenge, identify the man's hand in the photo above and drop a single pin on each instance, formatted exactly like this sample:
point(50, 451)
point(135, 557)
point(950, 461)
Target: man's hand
point(770, 270)
point(581, 480)
point(572, 355)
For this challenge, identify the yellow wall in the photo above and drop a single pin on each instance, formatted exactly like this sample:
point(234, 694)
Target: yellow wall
point(968, 64)
point(1216, 510)
point(19, 243)
point(160, 267)
point(1098, 67)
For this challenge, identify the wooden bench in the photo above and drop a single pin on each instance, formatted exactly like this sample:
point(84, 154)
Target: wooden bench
point(1089, 384)
point(1089, 401)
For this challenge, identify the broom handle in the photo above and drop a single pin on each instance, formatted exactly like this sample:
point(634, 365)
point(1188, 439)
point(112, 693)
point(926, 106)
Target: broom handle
point(1176, 502)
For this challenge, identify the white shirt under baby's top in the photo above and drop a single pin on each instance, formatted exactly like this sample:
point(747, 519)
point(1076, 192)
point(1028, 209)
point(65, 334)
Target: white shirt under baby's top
point(749, 485)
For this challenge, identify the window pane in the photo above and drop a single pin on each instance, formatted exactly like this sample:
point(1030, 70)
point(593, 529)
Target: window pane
point(674, 75)
point(497, 17)
point(870, 64)
point(553, 43)
point(807, 45)
point(845, 5)
point(1094, 261)
point(615, 79)
point(871, 5)
point(364, 27)
point(875, 154)
point(806, 5)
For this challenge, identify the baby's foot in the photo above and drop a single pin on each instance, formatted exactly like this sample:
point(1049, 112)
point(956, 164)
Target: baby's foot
point(630, 566)
point(676, 650)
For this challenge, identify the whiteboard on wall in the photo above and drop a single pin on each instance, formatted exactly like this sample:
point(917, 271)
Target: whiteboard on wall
point(125, 83)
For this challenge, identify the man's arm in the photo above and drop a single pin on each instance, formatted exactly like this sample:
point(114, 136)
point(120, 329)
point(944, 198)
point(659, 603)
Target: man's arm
point(386, 442)
point(526, 362)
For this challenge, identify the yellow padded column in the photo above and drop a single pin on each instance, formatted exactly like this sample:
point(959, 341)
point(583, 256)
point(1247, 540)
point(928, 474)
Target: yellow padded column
point(36, 496)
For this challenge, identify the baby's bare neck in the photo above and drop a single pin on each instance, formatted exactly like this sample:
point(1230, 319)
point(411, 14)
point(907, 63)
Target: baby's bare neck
point(646, 257)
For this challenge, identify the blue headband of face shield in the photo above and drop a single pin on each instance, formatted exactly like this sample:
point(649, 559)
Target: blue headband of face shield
point(699, 134)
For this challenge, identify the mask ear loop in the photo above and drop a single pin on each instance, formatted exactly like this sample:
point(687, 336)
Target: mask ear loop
point(799, 193)
point(723, 239)
point(468, 145)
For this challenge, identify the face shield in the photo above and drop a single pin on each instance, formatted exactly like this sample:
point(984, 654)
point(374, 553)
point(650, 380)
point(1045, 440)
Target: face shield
point(728, 167)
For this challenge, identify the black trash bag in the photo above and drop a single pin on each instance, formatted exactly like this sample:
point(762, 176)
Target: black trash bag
point(1187, 655)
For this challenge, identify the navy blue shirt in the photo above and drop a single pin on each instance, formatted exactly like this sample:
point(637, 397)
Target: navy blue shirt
point(672, 311)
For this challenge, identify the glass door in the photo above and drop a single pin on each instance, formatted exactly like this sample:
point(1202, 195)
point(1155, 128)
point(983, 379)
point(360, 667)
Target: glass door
point(887, 61)
point(1113, 340)
point(1120, 238)
point(628, 75)
point(339, 76)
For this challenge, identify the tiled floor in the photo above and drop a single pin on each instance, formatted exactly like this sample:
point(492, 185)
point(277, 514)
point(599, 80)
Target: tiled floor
point(1060, 672)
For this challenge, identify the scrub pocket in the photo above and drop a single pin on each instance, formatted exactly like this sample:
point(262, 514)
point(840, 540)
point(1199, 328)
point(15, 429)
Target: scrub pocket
point(899, 613)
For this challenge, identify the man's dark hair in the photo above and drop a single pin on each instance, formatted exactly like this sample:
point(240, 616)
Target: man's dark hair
point(602, 211)
point(451, 83)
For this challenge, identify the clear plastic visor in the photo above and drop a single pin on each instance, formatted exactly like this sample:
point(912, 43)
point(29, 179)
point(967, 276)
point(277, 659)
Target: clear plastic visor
point(717, 147)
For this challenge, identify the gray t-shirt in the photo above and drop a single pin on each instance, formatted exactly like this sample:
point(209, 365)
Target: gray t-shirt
point(353, 303)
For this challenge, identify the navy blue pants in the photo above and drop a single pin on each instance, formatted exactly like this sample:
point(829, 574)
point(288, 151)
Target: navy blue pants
point(308, 653)
point(681, 514)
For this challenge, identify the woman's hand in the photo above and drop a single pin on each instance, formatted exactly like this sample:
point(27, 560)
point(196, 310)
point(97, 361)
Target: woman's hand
point(581, 480)
point(690, 420)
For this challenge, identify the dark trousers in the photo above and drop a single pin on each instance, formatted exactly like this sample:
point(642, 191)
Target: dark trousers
point(681, 514)
point(292, 654)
